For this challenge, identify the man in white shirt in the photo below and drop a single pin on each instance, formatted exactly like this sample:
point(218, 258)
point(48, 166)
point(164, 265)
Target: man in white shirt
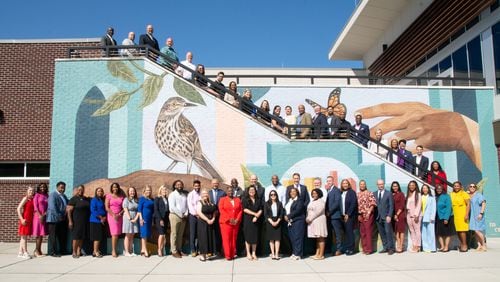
point(129, 41)
point(177, 203)
point(192, 201)
point(188, 62)
point(422, 163)
point(275, 186)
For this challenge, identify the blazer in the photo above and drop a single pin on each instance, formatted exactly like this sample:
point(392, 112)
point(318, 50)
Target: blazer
point(305, 120)
point(268, 212)
point(303, 194)
point(407, 166)
point(320, 126)
point(334, 203)
point(350, 204)
point(161, 209)
point(443, 207)
point(430, 209)
point(220, 193)
point(385, 207)
point(144, 39)
point(364, 129)
point(228, 211)
point(56, 209)
point(106, 41)
point(297, 211)
point(424, 165)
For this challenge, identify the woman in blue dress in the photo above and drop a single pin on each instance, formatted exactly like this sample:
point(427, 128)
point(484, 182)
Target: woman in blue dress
point(477, 222)
point(145, 211)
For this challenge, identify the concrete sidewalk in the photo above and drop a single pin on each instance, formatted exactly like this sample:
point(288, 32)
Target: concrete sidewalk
point(452, 266)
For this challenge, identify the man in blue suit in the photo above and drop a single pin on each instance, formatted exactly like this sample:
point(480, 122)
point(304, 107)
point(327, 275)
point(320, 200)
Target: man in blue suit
point(56, 220)
point(385, 211)
point(215, 195)
point(333, 209)
point(349, 209)
point(360, 131)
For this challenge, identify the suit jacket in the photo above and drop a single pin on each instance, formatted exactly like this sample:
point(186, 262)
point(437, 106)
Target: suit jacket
point(107, 41)
point(303, 194)
point(424, 165)
point(306, 120)
point(350, 204)
point(144, 39)
point(228, 211)
point(56, 208)
point(160, 209)
point(364, 129)
point(220, 193)
point(320, 126)
point(385, 206)
point(297, 211)
point(334, 203)
point(268, 213)
point(430, 209)
point(403, 163)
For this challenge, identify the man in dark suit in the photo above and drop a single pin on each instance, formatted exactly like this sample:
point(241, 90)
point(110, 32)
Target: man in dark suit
point(56, 220)
point(320, 125)
point(341, 126)
point(361, 131)
point(349, 209)
point(385, 211)
point(148, 39)
point(215, 195)
point(402, 162)
point(334, 211)
point(422, 163)
point(303, 193)
point(108, 40)
point(333, 122)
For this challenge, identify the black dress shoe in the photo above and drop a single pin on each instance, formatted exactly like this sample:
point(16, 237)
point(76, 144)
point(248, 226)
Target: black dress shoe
point(55, 255)
point(390, 252)
point(383, 251)
point(349, 253)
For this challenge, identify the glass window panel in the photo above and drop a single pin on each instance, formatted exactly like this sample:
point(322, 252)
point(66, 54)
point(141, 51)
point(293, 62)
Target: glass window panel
point(38, 170)
point(11, 169)
point(433, 72)
point(445, 64)
point(496, 51)
point(460, 68)
point(475, 58)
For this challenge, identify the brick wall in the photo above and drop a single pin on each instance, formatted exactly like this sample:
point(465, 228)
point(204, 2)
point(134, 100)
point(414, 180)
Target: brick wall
point(12, 191)
point(26, 90)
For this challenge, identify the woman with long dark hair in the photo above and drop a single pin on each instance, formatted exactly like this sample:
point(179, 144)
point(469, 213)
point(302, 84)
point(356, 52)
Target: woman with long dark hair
point(273, 214)
point(399, 222)
point(40, 204)
point(437, 176)
point(114, 207)
point(414, 215)
point(252, 210)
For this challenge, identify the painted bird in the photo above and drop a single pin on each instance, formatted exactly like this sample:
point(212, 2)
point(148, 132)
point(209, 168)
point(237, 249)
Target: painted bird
point(177, 138)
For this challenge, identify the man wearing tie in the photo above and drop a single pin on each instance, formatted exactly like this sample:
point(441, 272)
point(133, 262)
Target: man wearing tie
point(320, 124)
point(148, 39)
point(215, 195)
point(56, 220)
point(334, 211)
point(107, 40)
point(422, 163)
point(385, 210)
point(303, 193)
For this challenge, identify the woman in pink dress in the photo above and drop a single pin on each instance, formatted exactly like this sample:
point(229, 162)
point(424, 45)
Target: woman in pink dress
point(40, 204)
point(25, 215)
point(316, 222)
point(114, 209)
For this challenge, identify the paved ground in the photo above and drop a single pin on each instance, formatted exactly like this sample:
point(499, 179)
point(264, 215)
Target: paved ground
point(452, 266)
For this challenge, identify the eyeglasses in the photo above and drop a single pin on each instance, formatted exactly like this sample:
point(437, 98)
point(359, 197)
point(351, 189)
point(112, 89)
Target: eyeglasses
point(472, 186)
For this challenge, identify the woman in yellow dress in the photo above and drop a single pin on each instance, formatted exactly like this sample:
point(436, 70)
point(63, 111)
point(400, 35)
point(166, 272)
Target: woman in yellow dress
point(460, 202)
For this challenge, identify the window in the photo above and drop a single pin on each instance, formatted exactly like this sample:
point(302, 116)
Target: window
point(494, 6)
point(445, 64)
point(496, 52)
point(475, 58)
point(433, 72)
point(24, 170)
point(460, 69)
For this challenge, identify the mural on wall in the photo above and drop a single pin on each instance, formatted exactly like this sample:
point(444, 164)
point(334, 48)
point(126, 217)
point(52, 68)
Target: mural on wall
point(133, 119)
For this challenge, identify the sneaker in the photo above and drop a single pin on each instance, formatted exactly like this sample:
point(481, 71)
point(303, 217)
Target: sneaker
point(26, 256)
point(127, 254)
point(20, 255)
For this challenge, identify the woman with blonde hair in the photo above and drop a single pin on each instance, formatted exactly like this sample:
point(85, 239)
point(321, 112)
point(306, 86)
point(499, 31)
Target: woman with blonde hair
point(161, 213)
point(145, 210)
point(25, 212)
point(130, 221)
point(206, 212)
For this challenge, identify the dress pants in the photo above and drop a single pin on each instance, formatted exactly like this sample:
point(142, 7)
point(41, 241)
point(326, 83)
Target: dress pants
point(177, 225)
point(338, 232)
point(57, 236)
point(193, 224)
point(348, 227)
point(366, 231)
point(296, 231)
point(229, 234)
point(386, 234)
point(428, 237)
point(218, 236)
point(414, 228)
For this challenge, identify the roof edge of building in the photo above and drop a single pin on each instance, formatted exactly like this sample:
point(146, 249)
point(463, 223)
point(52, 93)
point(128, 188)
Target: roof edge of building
point(61, 40)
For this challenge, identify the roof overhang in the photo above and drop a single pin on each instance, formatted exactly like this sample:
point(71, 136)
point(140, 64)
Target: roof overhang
point(367, 25)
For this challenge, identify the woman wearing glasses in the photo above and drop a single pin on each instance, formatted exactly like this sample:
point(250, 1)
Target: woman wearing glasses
point(477, 222)
point(273, 213)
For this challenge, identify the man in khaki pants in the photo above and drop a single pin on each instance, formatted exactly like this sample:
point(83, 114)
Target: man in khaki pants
point(177, 202)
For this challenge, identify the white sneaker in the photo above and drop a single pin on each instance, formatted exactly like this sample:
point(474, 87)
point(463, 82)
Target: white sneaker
point(133, 254)
point(20, 255)
point(292, 257)
point(127, 254)
point(26, 256)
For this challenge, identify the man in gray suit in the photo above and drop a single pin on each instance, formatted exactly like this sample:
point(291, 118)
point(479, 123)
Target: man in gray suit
point(385, 210)
point(56, 220)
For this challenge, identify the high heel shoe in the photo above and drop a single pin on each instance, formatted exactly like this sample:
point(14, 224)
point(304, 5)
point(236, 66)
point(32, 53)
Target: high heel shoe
point(144, 254)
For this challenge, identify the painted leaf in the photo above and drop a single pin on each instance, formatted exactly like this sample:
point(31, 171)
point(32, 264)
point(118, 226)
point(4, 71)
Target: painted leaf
point(116, 101)
point(151, 87)
point(121, 70)
point(481, 184)
point(246, 175)
point(187, 91)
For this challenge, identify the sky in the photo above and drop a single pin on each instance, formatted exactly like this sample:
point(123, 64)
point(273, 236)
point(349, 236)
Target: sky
point(220, 33)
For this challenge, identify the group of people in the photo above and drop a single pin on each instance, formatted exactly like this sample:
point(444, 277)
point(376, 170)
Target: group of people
point(220, 221)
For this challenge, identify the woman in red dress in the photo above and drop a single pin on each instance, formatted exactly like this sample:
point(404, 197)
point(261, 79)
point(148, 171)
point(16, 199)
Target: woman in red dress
point(436, 170)
point(25, 212)
point(399, 222)
point(230, 210)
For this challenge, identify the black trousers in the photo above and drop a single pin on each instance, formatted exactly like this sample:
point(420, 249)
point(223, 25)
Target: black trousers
point(193, 233)
point(58, 233)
